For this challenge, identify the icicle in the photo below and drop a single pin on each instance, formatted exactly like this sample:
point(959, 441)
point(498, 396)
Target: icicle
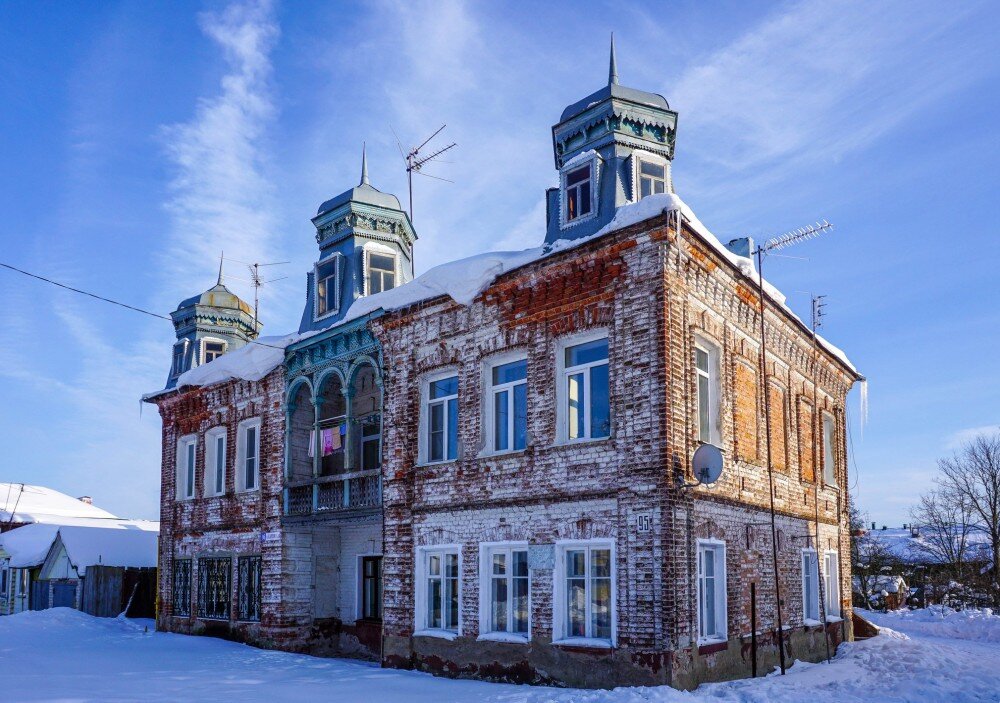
point(864, 405)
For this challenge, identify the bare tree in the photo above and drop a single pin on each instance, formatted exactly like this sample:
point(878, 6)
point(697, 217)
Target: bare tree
point(871, 557)
point(974, 473)
point(945, 519)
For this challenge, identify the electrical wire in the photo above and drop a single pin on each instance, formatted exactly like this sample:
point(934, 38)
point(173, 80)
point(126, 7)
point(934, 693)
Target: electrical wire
point(109, 300)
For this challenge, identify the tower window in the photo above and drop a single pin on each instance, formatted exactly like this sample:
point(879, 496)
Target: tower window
point(578, 193)
point(652, 178)
point(328, 286)
point(212, 351)
point(180, 358)
point(381, 272)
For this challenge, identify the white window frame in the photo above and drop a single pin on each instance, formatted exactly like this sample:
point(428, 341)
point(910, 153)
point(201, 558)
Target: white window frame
point(423, 441)
point(562, 392)
point(338, 275)
point(638, 158)
point(810, 576)
point(381, 250)
point(420, 628)
point(211, 444)
point(176, 370)
point(185, 483)
point(560, 597)
point(714, 377)
point(831, 584)
point(240, 465)
point(594, 162)
point(828, 435)
point(201, 347)
point(486, 632)
point(489, 411)
point(718, 548)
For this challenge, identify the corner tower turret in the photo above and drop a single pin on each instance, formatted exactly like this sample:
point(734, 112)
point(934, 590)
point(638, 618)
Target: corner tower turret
point(365, 247)
point(208, 326)
point(612, 148)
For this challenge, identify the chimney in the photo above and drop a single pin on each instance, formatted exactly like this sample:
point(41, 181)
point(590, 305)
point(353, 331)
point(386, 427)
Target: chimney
point(873, 525)
point(86, 499)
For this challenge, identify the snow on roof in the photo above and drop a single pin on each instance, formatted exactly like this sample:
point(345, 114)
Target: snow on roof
point(27, 546)
point(131, 545)
point(883, 582)
point(463, 280)
point(913, 550)
point(24, 503)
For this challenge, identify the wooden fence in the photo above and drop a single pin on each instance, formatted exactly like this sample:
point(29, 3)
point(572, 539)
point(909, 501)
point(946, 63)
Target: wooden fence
point(108, 589)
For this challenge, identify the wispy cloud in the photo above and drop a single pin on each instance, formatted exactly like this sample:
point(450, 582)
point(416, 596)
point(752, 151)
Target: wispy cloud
point(221, 196)
point(957, 439)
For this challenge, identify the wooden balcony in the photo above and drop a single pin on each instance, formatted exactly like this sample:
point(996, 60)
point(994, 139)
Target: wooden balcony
point(356, 491)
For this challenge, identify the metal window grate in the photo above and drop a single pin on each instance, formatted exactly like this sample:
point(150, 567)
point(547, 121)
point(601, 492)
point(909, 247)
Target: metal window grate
point(214, 581)
point(248, 587)
point(182, 587)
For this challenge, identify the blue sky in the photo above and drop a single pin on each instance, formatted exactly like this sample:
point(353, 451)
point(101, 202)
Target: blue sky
point(140, 139)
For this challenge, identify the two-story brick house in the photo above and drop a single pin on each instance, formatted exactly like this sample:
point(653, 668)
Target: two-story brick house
point(540, 519)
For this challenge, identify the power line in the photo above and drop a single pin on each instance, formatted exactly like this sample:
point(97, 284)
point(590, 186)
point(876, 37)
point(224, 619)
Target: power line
point(109, 300)
point(83, 292)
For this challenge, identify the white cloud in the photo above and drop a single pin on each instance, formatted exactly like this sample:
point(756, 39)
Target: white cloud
point(957, 439)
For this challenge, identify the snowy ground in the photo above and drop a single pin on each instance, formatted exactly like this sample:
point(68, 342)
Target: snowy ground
point(63, 655)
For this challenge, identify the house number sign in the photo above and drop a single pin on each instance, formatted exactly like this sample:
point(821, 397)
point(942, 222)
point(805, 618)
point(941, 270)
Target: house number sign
point(643, 522)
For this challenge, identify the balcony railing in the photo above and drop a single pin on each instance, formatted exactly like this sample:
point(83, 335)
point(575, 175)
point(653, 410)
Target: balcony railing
point(327, 494)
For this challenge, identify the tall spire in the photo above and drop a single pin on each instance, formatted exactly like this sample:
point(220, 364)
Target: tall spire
point(613, 67)
point(364, 166)
point(222, 257)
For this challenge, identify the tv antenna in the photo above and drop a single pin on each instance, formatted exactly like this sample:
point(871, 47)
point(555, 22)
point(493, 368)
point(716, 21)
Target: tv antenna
point(256, 280)
point(416, 160)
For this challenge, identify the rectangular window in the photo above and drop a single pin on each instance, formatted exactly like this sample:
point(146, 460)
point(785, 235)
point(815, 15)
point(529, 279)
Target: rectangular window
point(829, 461)
point(328, 286)
point(587, 388)
point(381, 272)
point(215, 461)
point(371, 437)
point(182, 587)
point(509, 388)
point(578, 193)
point(652, 178)
point(211, 351)
point(180, 354)
point(371, 588)
point(186, 453)
point(248, 570)
point(711, 591)
point(440, 609)
point(586, 591)
point(831, 584)
point(810, 585)
point(248, 459)
point(505, 590)
point(214, 581)
point(708, 391)
point(442, 419)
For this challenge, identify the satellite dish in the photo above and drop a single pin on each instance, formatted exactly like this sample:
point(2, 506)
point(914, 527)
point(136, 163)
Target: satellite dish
point(707, 463)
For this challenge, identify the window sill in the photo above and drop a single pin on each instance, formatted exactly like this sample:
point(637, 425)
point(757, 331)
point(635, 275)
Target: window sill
point(577, 442)
point(510, 637)
point(439, 634)
point(713, 645)
point(809, 622)
point(588, 642)
point(437, 463)
point(501, 454)
point(248, 490)
point(834, 618)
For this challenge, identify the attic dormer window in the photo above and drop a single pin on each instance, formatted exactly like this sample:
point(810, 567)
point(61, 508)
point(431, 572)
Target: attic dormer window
point(212, 350)
point(180, 357)
point(652, 178)
point(381, 272)
point(578, 193)
point(328, 286)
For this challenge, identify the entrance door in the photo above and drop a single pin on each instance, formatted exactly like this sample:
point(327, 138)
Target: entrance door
point(371, 588)
point(64, 595)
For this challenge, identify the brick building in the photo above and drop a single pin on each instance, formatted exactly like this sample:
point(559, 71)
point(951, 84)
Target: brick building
point(486, 471)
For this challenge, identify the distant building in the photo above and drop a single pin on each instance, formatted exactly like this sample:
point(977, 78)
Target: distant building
point(23, 504)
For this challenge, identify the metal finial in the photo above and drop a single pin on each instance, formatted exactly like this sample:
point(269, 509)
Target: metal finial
point(613, 67)
point(222, 257)
point(364, 166)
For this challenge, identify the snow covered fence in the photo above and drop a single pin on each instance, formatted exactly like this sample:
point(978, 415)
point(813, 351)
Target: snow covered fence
point(941, 621)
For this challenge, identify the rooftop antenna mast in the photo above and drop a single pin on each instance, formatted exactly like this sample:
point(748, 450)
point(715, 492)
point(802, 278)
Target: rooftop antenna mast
point(780, 242)
point(415, 161)
point(256, 280)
